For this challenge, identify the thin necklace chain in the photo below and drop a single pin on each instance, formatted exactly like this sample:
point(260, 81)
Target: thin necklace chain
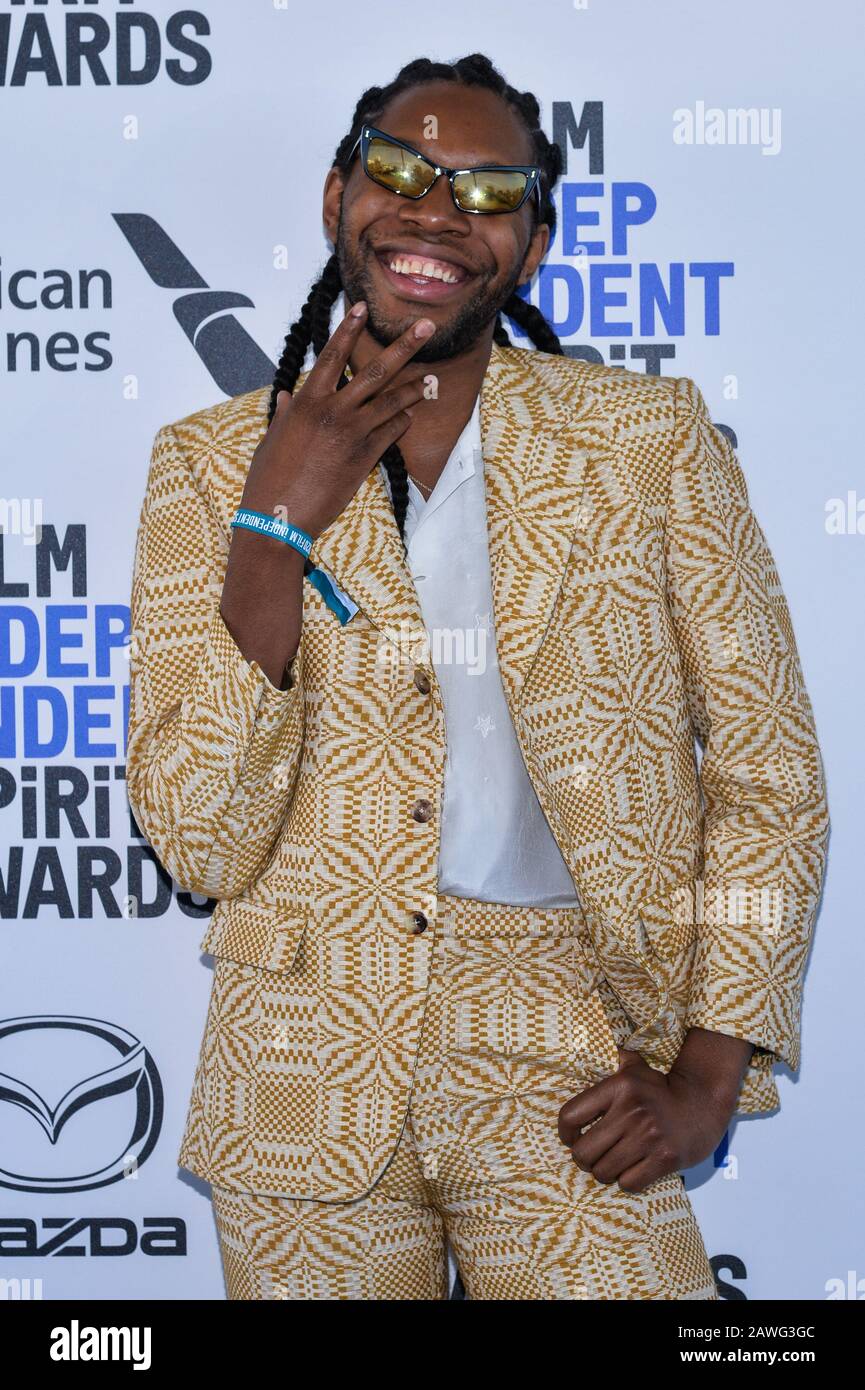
point(426, 486)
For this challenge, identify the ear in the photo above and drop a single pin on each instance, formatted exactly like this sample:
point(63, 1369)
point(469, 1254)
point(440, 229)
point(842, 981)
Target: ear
point(537, 249)
point(332, 202)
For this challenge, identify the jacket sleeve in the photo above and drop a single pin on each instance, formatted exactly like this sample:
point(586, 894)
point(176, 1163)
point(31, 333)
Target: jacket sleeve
point(766, 819)
point(213, 746)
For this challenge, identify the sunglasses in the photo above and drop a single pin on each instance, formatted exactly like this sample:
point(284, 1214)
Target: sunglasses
point(485, 188)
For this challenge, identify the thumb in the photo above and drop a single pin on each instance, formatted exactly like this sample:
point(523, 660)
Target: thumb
point(628, 1058)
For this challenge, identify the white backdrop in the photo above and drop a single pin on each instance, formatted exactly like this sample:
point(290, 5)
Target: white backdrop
point(193, 199)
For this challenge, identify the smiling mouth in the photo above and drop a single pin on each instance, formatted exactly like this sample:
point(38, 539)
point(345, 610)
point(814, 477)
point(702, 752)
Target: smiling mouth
point(423, 270)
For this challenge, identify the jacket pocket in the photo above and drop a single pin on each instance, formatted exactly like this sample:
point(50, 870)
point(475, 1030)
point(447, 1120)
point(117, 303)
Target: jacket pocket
point(265, 935)
point(671, 920)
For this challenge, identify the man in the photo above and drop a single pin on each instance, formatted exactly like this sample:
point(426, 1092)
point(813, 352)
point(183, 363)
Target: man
point(500, 989)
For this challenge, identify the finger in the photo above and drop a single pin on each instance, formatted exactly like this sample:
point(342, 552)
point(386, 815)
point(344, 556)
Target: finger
point(333, 358)
point(636, 1174)
point(279, 410)
point(381, 439)
point(382, 368)
point(391, 400)
point(580, 1110)
point(602, 1137)
point(614, 1161)
point(628, 1057)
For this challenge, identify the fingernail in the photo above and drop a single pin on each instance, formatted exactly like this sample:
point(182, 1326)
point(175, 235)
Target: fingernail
point(359, 309)
point(423, 328)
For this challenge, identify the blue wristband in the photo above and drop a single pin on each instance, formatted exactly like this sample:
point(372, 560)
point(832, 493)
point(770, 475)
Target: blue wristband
point(267, 525)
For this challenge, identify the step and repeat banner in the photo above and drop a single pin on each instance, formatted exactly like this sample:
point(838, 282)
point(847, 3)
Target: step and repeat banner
point(160, 224)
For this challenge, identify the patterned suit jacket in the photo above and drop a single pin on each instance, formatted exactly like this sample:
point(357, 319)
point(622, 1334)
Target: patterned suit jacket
point(651, 671)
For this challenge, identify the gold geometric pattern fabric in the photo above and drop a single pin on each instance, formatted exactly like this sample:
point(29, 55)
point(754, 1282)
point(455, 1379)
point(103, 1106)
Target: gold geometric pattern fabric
point(514, 1027)
point(636, 608)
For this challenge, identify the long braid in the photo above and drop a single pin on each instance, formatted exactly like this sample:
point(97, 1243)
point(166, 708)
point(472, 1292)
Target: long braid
point(330, 287)
point(532, 321)
point(500, 333)
point(312, 328)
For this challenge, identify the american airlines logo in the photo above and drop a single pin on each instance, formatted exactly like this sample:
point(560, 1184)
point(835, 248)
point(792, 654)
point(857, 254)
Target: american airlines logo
point(231, 355)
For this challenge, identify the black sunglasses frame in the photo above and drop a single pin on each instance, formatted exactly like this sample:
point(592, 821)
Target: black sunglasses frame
point(530, 170)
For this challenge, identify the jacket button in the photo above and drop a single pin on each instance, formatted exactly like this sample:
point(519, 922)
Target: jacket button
point(422, 681)
point(422, 810)
point(419, 923)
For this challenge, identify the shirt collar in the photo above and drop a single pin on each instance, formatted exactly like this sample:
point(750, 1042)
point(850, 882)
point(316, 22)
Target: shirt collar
point(461, 465)
point(462, 462)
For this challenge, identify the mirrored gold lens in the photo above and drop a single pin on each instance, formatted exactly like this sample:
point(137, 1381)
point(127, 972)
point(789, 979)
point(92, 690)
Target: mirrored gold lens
point(489, 190)
point(479, 190)
point(397, 168)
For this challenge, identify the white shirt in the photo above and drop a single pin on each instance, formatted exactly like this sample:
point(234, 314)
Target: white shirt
point(495, 844)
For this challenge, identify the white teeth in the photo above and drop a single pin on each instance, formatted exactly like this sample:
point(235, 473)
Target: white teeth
point(413, 265)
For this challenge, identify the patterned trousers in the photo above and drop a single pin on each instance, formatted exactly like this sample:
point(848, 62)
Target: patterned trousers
point(515, 1025)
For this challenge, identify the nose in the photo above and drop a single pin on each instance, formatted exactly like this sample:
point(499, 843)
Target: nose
point(436, 210)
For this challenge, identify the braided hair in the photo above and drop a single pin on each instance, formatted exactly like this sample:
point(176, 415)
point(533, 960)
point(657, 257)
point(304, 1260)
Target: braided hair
point(313, 325)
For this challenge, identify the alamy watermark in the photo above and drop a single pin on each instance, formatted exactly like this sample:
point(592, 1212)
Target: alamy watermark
point(439, 646)
point(22, 516)
point(737, 125)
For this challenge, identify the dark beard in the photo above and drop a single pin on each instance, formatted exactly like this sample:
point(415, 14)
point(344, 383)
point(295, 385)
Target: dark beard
point(452, 339)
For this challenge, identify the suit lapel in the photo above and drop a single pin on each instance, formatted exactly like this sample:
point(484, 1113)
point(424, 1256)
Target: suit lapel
point(534, 479)
point(534, 483)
